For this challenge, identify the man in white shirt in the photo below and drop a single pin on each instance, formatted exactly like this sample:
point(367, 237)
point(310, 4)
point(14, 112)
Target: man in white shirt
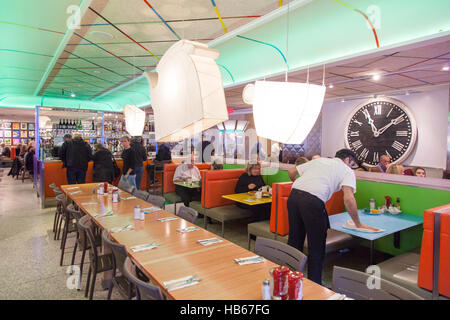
point(318, 180)
point(186, 171)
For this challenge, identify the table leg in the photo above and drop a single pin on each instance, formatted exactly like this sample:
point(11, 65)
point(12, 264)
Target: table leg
point(371, 262)
point(397, 240)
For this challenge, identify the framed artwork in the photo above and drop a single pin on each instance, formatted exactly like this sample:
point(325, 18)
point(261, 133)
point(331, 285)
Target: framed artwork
point(16, 141)
point(24, 141)
point(1, 133)
point(16, 126)
point(30, 134)
point(31, 126)
point(1, 140)
point(24, 134)
point(23, 126)
point(7, 125)
point(8, 141)
point(16, 134)
point(7, 133)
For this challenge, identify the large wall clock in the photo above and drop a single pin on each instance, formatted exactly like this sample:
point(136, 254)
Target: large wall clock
point(382, 126)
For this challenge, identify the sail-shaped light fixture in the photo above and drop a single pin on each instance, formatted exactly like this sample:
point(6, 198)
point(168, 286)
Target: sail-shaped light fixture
point(134, 120)
point(186, 91)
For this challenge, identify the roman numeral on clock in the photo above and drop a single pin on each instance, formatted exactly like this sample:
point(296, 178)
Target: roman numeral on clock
point(402, 133)
point(376, 158)
point(364, 154)
point(398, 146)
point(377, 110)
point(356, 121)
point(354, 134)
point(366, 113)
point(356, 145)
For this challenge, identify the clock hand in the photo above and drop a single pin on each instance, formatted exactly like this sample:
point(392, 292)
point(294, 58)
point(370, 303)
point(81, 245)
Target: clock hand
point(374, 129)
point(393, 121)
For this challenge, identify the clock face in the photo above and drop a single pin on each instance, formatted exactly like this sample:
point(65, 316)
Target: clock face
point(381, 127)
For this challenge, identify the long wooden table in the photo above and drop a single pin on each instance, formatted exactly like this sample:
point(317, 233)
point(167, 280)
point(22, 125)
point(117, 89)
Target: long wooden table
point(180, 255)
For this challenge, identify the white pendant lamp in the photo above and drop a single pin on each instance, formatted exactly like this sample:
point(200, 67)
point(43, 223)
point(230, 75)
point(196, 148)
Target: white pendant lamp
point(285, 111)
point(45, 122)
point(186, 91)
point(134, 120)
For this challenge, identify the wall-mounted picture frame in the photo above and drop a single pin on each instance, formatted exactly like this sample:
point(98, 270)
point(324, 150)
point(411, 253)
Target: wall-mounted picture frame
point(24, 134)
point(31, 126)
point(30, 134)
point(15, 141)
point(8, 141)
point(23, 140)
point(7, 133)
point(23, 126)
point(16, 126)
point(7, 125)
point(16, 134)
point(1, 133)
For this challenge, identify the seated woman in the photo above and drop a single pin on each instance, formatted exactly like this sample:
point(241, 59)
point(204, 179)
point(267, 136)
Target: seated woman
point(29, 160)
point(395, 169)
point(251, 180)
point(184, 172)
point(419, 172)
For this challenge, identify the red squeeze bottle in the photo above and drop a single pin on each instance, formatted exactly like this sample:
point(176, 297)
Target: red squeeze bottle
point(295, 290)
point(105, 187)
point(280, 285)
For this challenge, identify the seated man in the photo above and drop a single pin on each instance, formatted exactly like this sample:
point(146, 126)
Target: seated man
point(384, 163)
point(183, 173)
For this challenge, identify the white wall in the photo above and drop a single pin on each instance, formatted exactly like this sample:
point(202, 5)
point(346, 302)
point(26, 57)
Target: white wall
point(430, 109)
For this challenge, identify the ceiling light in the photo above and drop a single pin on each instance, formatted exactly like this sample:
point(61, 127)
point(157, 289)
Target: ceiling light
point(298, 106)
point(445, 68)
point(96, 71)
point(73, 95)
point(331, 86)
point(376, 77)
point(134, 120)
point(187, 91)
point(407, 93)
point(343, 100)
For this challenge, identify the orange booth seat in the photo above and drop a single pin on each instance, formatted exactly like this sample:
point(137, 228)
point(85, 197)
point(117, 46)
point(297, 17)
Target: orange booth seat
point(169, 186)
point(215, 184)
point(280, 195)
point(413, 270)
point(53, 172)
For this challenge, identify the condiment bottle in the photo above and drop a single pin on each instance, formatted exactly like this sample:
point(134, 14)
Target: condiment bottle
point(115, 195)
point(105, 188)
point(137, 212)
point(372, 204)
point(265, 290)
point(279, 277)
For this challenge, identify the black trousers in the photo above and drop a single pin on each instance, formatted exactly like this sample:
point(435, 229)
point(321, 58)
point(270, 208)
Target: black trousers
point(308, 218)
point(187, 194)
point(76, 175)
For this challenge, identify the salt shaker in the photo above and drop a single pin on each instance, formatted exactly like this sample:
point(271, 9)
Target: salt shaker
point(372, 204)
point(265, 290)
point(137, 212)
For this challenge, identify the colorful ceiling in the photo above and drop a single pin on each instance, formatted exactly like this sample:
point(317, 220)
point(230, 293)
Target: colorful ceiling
point(43, 62)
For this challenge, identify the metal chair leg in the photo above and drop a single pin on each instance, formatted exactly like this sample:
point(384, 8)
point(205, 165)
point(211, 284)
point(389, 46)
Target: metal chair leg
point(87, 283)
point(223, 228)
point(111, 285)
point(91, 295)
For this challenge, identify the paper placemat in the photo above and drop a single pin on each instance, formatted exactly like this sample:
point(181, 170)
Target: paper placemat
point(249, 260)
point(209, 241)
point(181, 283)
point(88, 203)
point(120, 229)
point(151, 209)
point(79, 191)
point(108, 213)
point(128, 198)
point(167, 219)
point(143, 247)
point(188, 229)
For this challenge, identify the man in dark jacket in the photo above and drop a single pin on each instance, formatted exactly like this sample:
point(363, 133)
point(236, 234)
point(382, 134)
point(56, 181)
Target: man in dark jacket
point(162, 157)
point(103, 165)
point(67, 138)
point(141, 155)
point(76, 155)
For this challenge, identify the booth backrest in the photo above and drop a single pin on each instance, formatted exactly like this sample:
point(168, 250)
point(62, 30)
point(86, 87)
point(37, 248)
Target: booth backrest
point(280, 194)
point(425, 277)
point(217, 183)
point(169, 171)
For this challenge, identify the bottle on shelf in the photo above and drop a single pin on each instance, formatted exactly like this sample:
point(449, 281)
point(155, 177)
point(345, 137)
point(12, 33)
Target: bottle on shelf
point(92, 125)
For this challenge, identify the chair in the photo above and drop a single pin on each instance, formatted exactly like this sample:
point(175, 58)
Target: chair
point(119, 253)
point(188, 214)
point(59, 199)
point(98, 263)
point(156, 200)
point(125, 186)
point(141, 194)
point(280, 253)
point(144, 290)
point(69, 227)
point(61, 206)
point(353, 284)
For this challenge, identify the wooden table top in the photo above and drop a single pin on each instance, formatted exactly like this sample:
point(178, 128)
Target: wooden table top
point(180, 254)
point(193, 185)
point(243, 198)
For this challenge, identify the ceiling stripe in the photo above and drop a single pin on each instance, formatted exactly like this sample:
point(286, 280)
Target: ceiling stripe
point(27, 52)
point(126, 35)
point(218, 15)
point(161, 18)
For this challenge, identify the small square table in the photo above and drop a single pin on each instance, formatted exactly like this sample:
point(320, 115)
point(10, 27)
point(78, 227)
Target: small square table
point(393, 224)
point(244, 197)
point(193, 185)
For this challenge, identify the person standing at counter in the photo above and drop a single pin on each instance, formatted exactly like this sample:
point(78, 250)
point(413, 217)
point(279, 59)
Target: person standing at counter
point(76, 155)
point(130, 160)
point(319, 180)
point(103, 165)
point(141, 155)
point(67, 138)
point(384, 163)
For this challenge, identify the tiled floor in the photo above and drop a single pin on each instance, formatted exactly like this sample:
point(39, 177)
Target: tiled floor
point(29, 264)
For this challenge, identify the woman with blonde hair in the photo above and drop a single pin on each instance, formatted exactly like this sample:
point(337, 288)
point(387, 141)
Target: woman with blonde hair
point(395, 169)
point(252, 180)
